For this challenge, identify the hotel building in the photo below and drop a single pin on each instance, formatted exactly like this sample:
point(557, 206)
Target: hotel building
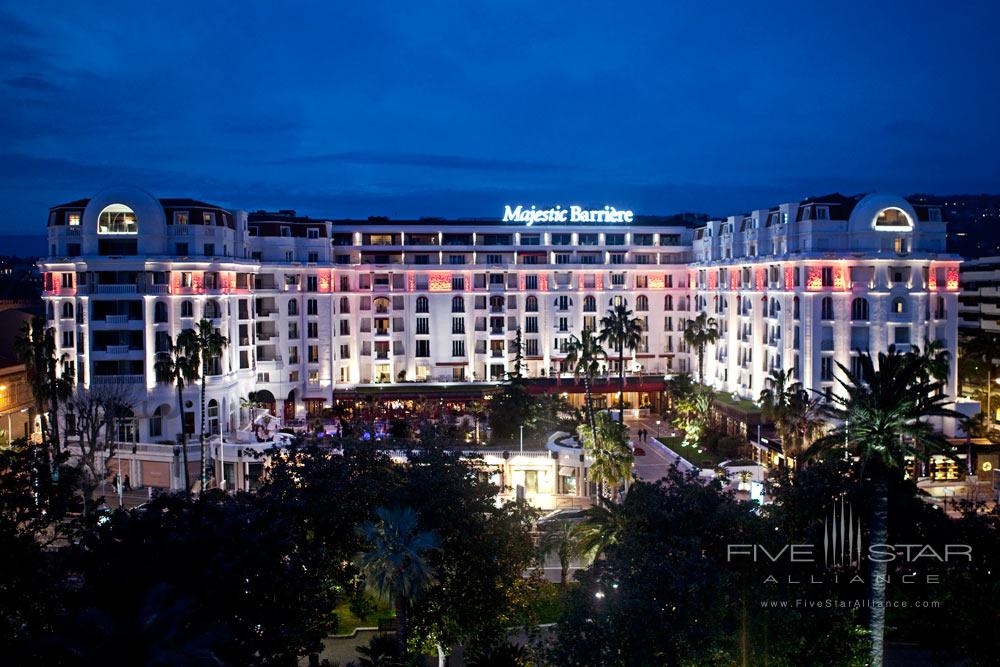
point(322, 310)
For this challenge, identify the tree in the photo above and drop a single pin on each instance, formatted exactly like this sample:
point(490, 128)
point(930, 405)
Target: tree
point(395, 565)
point(880, 420)
point(621, 331)
point(96, 409)
point(601, 527)
point(584, 356)
point(796, 417)
point(693, 413)
point(679, 386)
point(204, 347)
point(698, 333)
point(177, 366)
point(612, 456)
point(49, 377)
point(559, 537)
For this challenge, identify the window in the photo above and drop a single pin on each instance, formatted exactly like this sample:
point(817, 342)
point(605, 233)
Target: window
point(293, 330)
point(313, 257)
point(859, 310)
point(562, 303)
point(457, 304)
point(531, 347)
point(67, 339)
point(286, 232)
point(893, 217)
point(117, 219)
point(826, 368)
point(827, 273)
point(156, 423)
point(531, 324)
point(312, 233)
point(187, 309)
point(209, 250)
point(312, 330)
point(642, 303)
point(293, 307)
point(181, 249)
point(159, 312)
point(313, 354)
point(423, 304)
point(531, 304)
point(67, 310)
point(458, 325)
point(423, 325)
point(458, 348)
point(345, 351)
point(826, 308)
point(73, 219)
point(899, 306)
point(589, 304)
point(312, 307)
point(312, 283)
point(423, 348)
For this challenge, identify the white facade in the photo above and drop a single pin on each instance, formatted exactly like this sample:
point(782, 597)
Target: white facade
point(314, 307)
point(805, 286)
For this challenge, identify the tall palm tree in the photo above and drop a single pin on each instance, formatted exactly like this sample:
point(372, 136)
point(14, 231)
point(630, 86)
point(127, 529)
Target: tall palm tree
point(176, 366)
point(601, 527)
point(205, 347)
point(622, 332)
point(48, 377)
point(698, 333)
point(396, 564)
point(559, 537)
point(584, 355)
point(881, 420)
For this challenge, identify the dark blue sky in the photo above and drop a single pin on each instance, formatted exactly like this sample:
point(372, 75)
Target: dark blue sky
point(410, 108)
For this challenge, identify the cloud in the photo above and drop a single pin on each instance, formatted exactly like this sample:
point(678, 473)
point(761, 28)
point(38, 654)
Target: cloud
point(423, 160)
point(31, 82)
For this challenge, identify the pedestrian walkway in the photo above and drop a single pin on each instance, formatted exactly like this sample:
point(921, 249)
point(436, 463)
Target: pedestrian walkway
point(658, 458)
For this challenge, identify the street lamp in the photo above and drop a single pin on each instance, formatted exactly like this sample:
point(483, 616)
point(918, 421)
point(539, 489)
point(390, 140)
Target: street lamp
point(657, 429)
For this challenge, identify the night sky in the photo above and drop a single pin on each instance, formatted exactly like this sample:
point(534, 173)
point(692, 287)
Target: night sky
point(426, 108)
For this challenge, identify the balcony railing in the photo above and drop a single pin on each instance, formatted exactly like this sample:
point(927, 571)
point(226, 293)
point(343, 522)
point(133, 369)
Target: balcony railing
point(104, 380)
point(117, 349)
point(116, 289)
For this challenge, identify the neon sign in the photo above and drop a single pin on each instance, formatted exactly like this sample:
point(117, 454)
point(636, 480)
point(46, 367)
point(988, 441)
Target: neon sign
point(533, 214)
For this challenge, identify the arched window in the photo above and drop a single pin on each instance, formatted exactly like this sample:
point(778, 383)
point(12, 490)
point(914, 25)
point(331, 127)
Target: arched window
point(590, 304)
point(531, 304)
point(859, 309)
point(668, 302)
point(775, 308)
point(381, 304)
point(893, 217)
point(423, 305)
point(345, 305)
point(826, 308)
point(747, 305)
point(642, 302)
point(293, 307)
point(457, 304)
point(156, 421)
point(187, 309)
point(67, 310)
point(50, 311)
point(117, 219)
point(213, 310)
point(617, 300)
point(159, 312)
point(899, 305)
point(213, 417)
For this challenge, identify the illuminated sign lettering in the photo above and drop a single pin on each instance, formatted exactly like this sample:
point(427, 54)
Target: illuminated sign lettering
point(572, 214)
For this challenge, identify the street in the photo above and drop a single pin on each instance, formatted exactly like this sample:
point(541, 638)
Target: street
point(658, 459)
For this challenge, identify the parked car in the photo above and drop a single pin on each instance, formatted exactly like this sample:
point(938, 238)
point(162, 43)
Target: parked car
point(638, 451)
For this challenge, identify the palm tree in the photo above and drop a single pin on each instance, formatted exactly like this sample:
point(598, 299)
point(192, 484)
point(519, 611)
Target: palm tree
point(48, 376)
point(601, 527)
point(396, 565)
point(206, 346)
point(796, 417)
point(622, 332)
point(608, 447)
point(584, 355)
point(559, 537)
point(699, 332)
point(176, 366)
point(881, 420)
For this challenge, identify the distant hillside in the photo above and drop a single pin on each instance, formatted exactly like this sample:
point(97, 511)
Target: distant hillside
point(973, 223)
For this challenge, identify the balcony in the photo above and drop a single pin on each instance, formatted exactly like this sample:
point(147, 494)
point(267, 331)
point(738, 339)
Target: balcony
point(116, 319)
point(117, 349)
point(116, 289)
point(158, 289)
point(110, 380)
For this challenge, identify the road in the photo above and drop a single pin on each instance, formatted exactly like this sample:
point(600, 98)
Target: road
point(658, 459)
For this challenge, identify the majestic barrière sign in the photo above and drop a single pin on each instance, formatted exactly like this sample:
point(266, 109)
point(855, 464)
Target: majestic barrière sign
point(532, 214)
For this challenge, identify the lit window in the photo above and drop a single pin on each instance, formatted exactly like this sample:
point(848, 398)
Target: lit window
point(181, 218)
point(73, 219)
point(117, 219)
point(893, 217)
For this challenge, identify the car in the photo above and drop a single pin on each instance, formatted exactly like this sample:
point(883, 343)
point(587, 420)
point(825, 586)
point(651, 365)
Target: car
point(638, 451)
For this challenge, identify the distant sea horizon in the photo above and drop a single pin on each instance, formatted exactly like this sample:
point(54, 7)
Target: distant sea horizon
point(23, 245)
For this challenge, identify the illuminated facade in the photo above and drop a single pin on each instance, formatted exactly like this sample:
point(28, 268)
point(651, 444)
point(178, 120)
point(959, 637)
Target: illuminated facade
point(316, 309)
point(805, 286)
